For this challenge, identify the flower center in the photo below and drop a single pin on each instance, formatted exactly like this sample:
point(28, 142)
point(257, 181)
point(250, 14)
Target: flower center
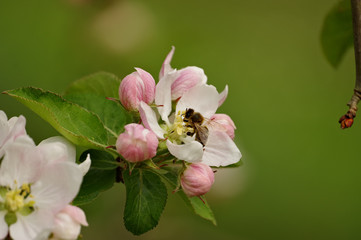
point(180, 128)
point(17, 199)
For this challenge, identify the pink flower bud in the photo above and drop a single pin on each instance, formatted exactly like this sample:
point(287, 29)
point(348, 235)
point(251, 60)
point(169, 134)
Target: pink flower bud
point(223, 123)
point(136, 87)
point(68, 223)
point(137, 143)
point(197, 179)
point(186, 79)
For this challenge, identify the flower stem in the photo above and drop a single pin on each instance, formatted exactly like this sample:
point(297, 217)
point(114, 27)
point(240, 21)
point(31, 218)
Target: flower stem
point(347, 119)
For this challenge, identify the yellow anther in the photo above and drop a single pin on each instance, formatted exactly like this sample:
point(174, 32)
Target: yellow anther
point(13, 200)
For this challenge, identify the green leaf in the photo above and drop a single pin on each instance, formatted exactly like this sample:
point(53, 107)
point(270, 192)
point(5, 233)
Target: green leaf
point(74, 122)
point(113, 115)
point(101, 83)
point(101, 176)
point(199, 207)
point(100, 159)
point(145, 201)
point(337, 32)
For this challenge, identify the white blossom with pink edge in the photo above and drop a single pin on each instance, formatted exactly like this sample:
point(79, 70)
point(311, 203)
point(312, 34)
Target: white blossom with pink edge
point(197, 179)
point(36, 183)
point(68, 223)
point(219, 150)
point(10, 130)
point(137, 143)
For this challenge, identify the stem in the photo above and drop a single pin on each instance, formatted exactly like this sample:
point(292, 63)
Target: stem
point(347, 119)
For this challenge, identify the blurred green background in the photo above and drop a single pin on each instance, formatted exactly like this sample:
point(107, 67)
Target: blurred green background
point(301, 174)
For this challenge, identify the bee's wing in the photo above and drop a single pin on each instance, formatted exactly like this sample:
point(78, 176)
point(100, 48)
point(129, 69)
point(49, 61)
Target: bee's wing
point(202, 133)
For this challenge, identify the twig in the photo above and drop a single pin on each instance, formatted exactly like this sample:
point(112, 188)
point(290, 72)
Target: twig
point(346, 120)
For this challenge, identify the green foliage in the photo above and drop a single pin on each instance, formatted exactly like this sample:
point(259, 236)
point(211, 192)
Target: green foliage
point(337, 33)
point(74, 122)
point(101, 176)
point(101, 83)
point(146, 198)
point(113, 116)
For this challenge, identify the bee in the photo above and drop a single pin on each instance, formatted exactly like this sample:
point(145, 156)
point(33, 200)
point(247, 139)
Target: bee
point(194, 120)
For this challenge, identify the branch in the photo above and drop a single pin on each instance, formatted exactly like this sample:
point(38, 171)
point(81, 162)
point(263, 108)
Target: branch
point(347, 119)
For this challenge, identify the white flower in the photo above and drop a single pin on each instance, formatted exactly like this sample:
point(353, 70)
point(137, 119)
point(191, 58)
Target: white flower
point(219, 149)
point(10, 130)
point(36, 182)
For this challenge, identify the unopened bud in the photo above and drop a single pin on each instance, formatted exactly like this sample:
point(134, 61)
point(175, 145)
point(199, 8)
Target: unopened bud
point(137, 143)
point(68, 223)
point(346, 121)
point(197, 179)
point(223, 123)
point(136, 87)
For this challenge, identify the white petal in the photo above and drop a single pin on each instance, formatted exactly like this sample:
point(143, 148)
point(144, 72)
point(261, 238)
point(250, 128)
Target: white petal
point(58, 149)
point(202, 99)
point(34, 226)
point(163, 95)
point(3, 225)
point(84, 166)
point(190, 152)
point(22, 162)
point(222, 96)
point(149, 120)
point(166, 64)
point(220, 150)
point(58, 185)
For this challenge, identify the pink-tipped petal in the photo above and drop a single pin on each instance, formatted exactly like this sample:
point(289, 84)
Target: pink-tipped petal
point(149, 120)
point(186, 79)
point(220, 150)
point(222, 96)
point(202, 99)
point(191, 152)
point(166, 64)
point(222, 122)
point(76, 213)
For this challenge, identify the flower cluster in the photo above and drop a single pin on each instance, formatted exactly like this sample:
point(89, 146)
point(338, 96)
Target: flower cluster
point(179, 113)
point(37, 185)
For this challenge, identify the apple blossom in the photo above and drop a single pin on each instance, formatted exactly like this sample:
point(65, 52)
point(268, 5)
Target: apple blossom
point(219, 150)
point(36, 182)
point(136, 87)
point(10, 130)
point(137, 143)
point(68, 223)
point(197, 179)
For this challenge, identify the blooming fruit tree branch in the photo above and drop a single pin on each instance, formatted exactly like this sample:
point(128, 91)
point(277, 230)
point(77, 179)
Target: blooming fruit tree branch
point(155, 138)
